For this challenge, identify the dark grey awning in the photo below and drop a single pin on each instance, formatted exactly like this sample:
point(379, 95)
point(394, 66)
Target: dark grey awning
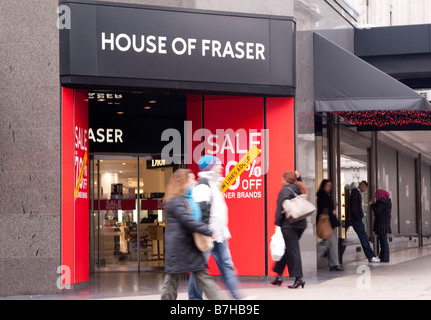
point(344, 82)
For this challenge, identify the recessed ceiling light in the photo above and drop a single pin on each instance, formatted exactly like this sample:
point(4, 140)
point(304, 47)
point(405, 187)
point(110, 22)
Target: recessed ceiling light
point(152, 101)
point(147, 107)
point(120, 112)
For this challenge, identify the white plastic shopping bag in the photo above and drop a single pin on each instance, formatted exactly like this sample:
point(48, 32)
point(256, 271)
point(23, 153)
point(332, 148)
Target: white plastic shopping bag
point(277, 245)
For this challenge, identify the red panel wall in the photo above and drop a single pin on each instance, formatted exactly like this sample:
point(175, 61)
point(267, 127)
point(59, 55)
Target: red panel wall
point(235, 124)
point(81, 156)
point(280, 121)
point(75, 206)
point(231, 115)
point(67, 187)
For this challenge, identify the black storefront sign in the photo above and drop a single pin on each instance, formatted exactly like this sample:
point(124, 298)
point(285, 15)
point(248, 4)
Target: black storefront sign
point(114, 45)
point(130, 135)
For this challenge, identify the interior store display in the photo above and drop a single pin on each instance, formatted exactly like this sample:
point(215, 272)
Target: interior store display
point(129, 221)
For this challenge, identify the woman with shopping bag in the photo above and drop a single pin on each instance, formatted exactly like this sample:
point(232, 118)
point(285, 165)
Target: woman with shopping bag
point(292, 232)
point(277, 245)
point(326, 222)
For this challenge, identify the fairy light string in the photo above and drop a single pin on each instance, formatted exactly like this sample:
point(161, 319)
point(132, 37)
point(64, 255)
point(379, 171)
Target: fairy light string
point(388, 119)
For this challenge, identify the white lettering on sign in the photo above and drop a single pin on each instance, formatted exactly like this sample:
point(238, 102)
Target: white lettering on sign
point(113, 205)
point(224, 142)
point(124, 42)
point(108, 135)
point(81, 172)
point(158, 163)
point(180, 46)
point(80, 138)
point(227, 144)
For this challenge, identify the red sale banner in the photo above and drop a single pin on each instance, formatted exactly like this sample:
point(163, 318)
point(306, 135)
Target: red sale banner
point(236, 126)
point(247, 161)
point(75, 186)
point(81, 167)
point(115, 204)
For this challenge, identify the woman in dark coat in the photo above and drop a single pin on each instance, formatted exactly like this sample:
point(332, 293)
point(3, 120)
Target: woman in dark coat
point(325, 205)
point(292, 232)
point(182, 255)
point(382, 222)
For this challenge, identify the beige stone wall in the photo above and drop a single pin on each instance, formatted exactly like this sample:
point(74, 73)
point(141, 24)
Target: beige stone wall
point(392, 12)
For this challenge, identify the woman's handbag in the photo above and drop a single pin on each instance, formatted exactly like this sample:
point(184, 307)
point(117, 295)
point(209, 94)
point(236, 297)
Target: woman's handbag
point(277, 245)
point(323, 226)
point(203, 242)
point(298, 208)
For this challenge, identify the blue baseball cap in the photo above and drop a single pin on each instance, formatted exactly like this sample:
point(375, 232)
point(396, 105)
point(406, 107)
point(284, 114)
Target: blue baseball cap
point(206, 163)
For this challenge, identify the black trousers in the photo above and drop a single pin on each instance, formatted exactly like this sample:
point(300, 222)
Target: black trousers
point(384, 247)
point(359, 228)
point(292, 254)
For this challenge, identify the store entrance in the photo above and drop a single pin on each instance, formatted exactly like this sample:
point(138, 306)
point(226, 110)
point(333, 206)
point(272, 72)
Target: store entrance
point(344, 156)
point(129, 176)
point(353, 169)
point(128, 219)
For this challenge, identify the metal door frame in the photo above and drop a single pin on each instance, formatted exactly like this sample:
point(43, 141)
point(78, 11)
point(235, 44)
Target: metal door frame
point(95, 161)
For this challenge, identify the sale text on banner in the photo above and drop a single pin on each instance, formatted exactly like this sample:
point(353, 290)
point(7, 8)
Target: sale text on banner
point(81, 173)
point(239, 168)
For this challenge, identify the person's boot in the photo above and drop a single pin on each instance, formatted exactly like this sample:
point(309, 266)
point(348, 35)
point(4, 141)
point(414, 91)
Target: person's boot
point(336, 268)
point(299, 282)
point(277, 281)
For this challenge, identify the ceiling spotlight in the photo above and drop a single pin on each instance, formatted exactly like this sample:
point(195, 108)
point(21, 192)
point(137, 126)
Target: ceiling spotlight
point(147, 107)
point(120, 112)
point(152, 101)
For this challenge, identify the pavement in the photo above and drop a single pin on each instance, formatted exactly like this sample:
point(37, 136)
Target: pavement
point(406, 277)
